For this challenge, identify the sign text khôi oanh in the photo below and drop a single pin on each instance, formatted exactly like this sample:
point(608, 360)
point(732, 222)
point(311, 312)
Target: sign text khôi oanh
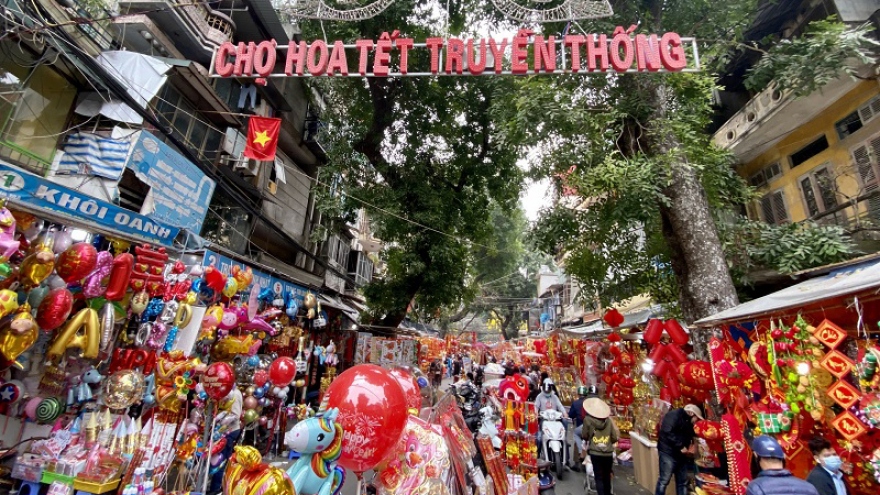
point(525, 53)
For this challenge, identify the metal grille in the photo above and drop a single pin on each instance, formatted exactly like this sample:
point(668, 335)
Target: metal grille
point(522, 10)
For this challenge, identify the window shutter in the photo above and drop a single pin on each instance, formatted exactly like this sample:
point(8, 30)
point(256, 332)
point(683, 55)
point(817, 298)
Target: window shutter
point(767, 209)
point(779, 212)
point(862, 158)
point(809, 196)
point(870, 110)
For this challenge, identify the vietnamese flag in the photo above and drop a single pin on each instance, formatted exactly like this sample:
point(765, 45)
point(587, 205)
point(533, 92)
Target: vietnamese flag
point(262, 138)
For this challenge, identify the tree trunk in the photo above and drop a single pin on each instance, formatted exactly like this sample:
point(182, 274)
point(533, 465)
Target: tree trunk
point(704, 282)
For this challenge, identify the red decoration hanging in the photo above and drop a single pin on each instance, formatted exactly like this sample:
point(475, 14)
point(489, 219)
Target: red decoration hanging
point(836, 363)
point(829, 334)
point(613, 318)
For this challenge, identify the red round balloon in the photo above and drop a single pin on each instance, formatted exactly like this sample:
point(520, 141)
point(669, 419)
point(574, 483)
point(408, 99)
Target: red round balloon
point(409, 386)
point(261, 377)
point(78, 261)
point(282, 371)
point(372, 412)
point(218, 380)
point(54, 309)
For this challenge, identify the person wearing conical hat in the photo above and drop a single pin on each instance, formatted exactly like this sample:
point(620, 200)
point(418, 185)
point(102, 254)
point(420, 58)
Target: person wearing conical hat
point(600, 433)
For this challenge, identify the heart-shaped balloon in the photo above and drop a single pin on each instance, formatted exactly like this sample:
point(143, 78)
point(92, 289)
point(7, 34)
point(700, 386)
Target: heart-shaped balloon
point(78, 261)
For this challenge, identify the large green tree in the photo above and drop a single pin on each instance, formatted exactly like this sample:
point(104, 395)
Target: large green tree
point(421, 155)
point(653, 189)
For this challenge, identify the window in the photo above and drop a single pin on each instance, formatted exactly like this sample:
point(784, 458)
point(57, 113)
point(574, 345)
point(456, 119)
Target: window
point(870, 110)
point(848, 125)
point(773, 208)
point(338, 250)
point(819, 190)
point(866, 156)
point(35, 104)
point(189, 125)
point(765, 175)
point(809, 151)
point(132, 192)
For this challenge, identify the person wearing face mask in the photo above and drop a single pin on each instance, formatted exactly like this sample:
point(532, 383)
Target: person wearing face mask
point(826, 476)
point(774, 479)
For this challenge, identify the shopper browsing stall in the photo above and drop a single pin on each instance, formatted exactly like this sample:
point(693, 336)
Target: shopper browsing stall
point(826, 476)
point(673, 444)
point(774, 479)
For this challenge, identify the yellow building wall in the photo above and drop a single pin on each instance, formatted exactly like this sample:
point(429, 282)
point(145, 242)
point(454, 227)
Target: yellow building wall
point(837, 154)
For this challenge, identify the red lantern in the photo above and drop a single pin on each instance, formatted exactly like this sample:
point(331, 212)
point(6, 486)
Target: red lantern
point(372, 412)
point(674, 389)
point(613, 318)
point(653, 331)
point(282, 371)
point(78, 261)
point(218, 380)
point(657, 353)
point(54, 309)
point(409, 386)
point(676, 332)
point(661, 368)
point(614, 337)
point(697, 374)
point(676, 354)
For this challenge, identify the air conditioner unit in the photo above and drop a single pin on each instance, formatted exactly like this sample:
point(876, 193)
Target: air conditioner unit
point(248, 168)
point(233, 142)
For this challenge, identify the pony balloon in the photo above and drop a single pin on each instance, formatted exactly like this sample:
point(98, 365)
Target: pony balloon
point(319, 441)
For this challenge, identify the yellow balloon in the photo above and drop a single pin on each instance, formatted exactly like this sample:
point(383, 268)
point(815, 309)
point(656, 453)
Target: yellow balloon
point(183, 316)
point(18, 334)
point(231, 287)
point(8, 302)
point(37, 267)
point(123, 389)
point(246, 474)
point(139, 302)
point(88, 341)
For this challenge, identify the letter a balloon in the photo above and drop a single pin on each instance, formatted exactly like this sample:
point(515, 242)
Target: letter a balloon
point(372, 413)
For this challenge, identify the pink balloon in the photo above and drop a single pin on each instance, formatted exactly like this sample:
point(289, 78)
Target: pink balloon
point(260, 325)
point(30, 409)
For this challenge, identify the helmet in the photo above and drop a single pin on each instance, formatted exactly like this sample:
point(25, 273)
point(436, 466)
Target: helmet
point(583, 391)
point(766, 446)
point(547, 386)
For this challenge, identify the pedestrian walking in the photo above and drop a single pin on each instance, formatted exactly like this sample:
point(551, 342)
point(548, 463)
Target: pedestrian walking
point(601, 435)
point(826, 476)
point(774, 479)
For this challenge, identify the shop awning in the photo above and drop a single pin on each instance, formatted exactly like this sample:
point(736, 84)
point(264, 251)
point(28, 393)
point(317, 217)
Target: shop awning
point(850, 280)
point(334, 303)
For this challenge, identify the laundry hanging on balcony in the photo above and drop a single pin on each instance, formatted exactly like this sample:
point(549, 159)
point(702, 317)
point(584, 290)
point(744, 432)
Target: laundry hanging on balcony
point(142, 75)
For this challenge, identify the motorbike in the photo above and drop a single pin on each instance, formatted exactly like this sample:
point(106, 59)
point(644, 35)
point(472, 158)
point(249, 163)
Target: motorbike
point(487, 426)
point(553, 445)
point(470, 400)
point(546, 483)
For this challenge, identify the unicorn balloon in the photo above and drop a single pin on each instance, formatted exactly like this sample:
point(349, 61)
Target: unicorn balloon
point(319, 441)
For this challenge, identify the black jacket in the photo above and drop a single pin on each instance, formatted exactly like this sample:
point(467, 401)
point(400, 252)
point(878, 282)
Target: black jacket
point(676, 432)
point(821, 479)
point(779, 482)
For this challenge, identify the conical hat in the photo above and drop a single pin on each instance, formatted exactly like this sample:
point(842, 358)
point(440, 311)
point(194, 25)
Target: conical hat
point(597, 408)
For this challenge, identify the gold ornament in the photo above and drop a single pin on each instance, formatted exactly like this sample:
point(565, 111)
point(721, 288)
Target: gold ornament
point(88, 341)
point(246, 473)
point(119, 246)
point(123, 388)
point(38, 265)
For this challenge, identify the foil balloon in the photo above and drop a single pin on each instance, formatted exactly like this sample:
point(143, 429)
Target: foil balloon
point(8, 302)
point(93, 286)
point(282, 371)
point(48, 410)
point(319, 443)
point(63, 241)
point(120, 276)
point(231, 287)
point(229, 319)
point(30, 407)
point(37, 266)
point(139, 302)
point(242, 277)
point(123, 389)
point(107, 318)
point(36, 295)
point(8, 244)
point(18, 334)
point(82, 331)
point(253, 302)
point(261, 377)
point(77, 262)
point(54, 309)
point(250, 416)
point(214, 279)
point(372, 412)
point(218, 380)
point(248, 474)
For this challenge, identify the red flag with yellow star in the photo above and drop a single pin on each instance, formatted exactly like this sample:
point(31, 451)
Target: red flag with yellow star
point(262, 138)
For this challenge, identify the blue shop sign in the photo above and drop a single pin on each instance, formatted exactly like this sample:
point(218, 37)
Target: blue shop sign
point(31, 190)
point(179, 192)
point(279, 286)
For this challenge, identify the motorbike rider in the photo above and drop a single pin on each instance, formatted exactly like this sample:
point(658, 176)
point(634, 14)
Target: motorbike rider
point(548, 400)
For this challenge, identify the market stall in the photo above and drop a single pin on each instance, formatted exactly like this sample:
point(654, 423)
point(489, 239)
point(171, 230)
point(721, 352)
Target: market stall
point(802, 363)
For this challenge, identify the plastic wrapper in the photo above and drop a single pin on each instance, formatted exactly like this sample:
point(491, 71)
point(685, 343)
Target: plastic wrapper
point(420, 464)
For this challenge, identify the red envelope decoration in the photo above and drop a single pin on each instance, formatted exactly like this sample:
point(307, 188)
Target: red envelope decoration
point(836, 363)
point(829, 334)
point(843, 393)
point(848, 425)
